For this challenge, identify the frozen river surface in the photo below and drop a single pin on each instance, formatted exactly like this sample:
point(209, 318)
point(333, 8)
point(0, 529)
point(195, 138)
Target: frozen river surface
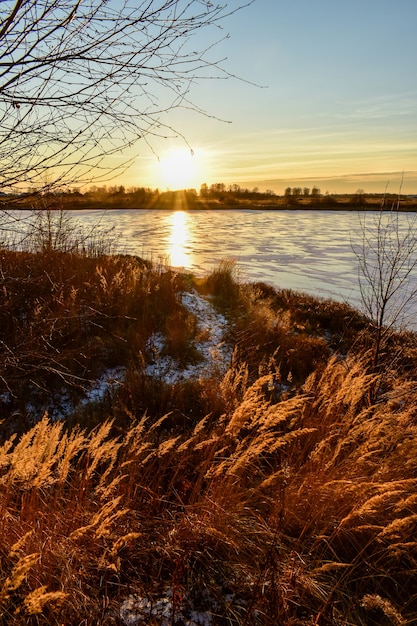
point(302, 250)
point(310, 251)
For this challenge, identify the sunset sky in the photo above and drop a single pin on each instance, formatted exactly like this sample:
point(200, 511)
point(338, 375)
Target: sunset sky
point(334, 105)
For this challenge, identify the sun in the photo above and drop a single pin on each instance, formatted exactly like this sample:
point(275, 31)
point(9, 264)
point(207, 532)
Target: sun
point(180, 168)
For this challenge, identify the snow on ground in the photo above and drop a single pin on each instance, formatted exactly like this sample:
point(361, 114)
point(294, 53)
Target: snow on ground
point(107, 383)
point(136, 610)
point(215, 352)
point(62, 402)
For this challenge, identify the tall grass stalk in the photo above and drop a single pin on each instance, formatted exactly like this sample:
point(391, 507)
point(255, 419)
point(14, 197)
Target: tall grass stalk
point(272, 494)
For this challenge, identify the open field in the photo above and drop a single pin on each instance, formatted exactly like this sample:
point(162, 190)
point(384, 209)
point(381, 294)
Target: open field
point(242, 461)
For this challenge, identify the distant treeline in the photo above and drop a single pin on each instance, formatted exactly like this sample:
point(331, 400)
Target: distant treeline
point(214, 196)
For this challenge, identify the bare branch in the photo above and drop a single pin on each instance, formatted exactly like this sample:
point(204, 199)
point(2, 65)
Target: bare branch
point(81, 81)
point(387, 263)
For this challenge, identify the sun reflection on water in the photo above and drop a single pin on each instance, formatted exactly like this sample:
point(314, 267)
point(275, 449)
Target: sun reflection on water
point(178, 239)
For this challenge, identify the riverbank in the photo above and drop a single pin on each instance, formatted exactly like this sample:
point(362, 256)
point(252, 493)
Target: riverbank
point(310, 251)
point(146, 199)
point(213, 451)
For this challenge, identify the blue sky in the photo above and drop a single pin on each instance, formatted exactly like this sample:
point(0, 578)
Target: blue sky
point(335, 105)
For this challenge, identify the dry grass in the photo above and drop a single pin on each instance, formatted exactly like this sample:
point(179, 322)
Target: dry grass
point(65, 318)
point(298, 511)
point(274, 494)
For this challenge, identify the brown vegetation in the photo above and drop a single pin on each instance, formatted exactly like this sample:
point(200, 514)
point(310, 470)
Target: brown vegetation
point(217, 196)
point(272, 494)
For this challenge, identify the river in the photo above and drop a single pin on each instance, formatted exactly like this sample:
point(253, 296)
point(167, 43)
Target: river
point(303, 250)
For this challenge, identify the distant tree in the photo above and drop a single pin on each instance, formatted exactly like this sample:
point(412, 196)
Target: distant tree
point(306, 191)
point(217, 189)
point(358, 199)
point(204, 190)
point(292, 196)
point(315, 192)
point(81, 81)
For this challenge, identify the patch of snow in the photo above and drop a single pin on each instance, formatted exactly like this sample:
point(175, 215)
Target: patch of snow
point(163, 367)
point(215, 352)
point(5, 397)
point(199, 618)
point(63, 403)
point(212, 323)
point(136, 610)
point(107, 383)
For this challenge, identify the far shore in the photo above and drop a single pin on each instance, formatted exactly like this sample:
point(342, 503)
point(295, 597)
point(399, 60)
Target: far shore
point(215, 198)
